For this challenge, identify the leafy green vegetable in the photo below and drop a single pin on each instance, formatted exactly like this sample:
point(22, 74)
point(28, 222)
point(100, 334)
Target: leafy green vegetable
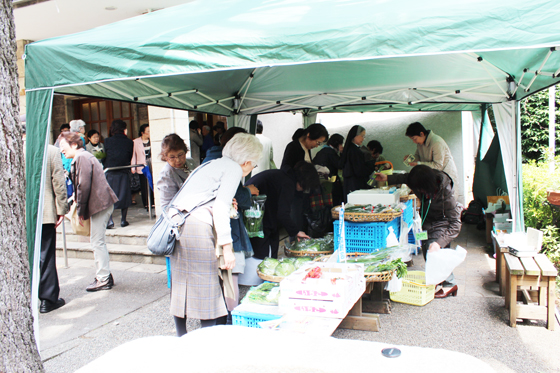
point(301, 261)
point(389, 266)
point(254, 217)
point(266, 293)
point(268, 266)
point(283, 269)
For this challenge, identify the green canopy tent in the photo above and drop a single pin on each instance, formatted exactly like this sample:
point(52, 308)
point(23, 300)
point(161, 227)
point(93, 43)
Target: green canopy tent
point(247, 57)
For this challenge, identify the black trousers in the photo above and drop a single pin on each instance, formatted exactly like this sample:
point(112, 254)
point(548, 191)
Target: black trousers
point(144, 190)
point(48, 286)
point(261, 245)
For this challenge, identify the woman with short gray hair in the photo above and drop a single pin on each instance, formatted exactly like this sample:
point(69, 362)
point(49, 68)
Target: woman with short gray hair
point(208, 196)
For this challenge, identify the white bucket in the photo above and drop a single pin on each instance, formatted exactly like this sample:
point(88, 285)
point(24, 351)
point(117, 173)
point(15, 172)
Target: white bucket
point(250, 277)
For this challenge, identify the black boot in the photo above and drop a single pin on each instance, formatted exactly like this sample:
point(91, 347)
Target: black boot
point(124, 223)
point(110, 224)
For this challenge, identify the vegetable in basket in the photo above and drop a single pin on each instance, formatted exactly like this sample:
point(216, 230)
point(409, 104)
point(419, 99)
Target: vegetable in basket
point(389, 266)
point(268, 266)
point(285, 268)
point(301, 261)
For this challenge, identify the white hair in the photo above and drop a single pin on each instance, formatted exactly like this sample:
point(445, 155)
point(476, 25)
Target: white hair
point(243, 147)
point(76, 124)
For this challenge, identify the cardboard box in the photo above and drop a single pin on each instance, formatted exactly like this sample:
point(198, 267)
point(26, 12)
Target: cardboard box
point(373, 197)
point(332, 295)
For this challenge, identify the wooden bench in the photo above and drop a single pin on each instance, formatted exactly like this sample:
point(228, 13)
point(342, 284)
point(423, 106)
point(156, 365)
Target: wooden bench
point(500, 249)
point(532, 282)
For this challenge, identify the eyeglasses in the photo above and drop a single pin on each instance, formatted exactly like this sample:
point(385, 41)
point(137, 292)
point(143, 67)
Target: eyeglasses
point(180, 155)
point(319, 143)
point(254, 165)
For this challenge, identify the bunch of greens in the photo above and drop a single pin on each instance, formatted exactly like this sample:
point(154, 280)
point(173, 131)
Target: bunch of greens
point(254, 217)
point(315, 244)
point(389, 266)
point(285, 268)
point(266, 294)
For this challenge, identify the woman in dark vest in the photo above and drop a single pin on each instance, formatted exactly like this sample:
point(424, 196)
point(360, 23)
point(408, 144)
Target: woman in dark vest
point(119, 149)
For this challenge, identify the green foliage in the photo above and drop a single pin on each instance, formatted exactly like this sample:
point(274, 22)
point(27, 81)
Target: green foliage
point(534, 125)
point(538, 213)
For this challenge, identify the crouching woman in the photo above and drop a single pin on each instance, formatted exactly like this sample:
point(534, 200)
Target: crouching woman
point(439, 211)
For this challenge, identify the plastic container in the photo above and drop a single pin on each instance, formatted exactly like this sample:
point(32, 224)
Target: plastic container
point(408, 213)
point(414, 290)
point(251, 319)
point(365, 237)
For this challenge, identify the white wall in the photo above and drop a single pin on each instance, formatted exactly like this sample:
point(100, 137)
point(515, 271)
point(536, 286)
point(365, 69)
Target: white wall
point(387, 128)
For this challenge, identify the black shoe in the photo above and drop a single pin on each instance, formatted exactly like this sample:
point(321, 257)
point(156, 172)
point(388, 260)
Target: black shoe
point(101, 285)
point(110, 225)
point(124, 224)
point(48, 306)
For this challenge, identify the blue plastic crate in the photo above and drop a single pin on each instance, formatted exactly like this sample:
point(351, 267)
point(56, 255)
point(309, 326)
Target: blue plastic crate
point(366, 237)
point(250, 319)
point(408, 213)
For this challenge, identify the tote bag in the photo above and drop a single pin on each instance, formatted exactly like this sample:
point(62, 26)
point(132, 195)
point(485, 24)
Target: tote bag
point(82, 230)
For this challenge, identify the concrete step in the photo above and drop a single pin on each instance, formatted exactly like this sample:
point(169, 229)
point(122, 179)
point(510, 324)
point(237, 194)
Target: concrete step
point(112, 236)
point(117, 252)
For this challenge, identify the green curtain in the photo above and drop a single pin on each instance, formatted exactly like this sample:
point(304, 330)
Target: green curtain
point(38, 122)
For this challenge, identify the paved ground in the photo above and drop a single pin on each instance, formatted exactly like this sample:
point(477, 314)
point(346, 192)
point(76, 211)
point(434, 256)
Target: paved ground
point(475, 322)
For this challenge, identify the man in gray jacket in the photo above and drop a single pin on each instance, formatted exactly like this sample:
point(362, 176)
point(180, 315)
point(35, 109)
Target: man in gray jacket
point(54, 208)
point(431, 150)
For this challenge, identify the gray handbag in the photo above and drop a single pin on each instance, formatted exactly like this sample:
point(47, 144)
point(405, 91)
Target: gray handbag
point(165, 232)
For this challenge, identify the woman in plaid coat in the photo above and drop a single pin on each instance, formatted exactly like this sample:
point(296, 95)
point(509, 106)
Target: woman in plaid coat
point(208, 195)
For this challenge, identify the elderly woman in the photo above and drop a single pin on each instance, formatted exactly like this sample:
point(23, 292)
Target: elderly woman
point(439, 210)
point(95, 199)
point(208, 195)
point(119, 153)
point(176, 169)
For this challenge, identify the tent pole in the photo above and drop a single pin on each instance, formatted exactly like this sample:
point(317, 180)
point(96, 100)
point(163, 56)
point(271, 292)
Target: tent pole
point(551, 127)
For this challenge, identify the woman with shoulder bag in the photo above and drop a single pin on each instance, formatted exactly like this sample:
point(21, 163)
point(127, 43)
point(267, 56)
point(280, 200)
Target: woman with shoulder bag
point(208, 196)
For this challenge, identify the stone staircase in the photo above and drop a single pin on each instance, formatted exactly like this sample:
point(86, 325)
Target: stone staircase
point(124, 244)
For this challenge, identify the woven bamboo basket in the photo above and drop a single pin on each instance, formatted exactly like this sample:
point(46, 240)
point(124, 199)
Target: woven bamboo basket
point(269, 278)
point(360, 217)
point(370, 277)
point(408, 198)
point(299, 253)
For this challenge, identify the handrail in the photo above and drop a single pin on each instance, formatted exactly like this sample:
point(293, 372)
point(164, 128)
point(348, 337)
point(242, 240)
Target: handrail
point(123, 167)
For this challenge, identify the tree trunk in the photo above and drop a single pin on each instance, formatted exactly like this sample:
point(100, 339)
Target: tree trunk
point(18, 350)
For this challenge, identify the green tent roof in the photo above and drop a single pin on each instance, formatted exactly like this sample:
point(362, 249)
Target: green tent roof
point(316, 56)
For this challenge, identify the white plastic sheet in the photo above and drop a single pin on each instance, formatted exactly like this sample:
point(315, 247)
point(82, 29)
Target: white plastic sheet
point(440, 265)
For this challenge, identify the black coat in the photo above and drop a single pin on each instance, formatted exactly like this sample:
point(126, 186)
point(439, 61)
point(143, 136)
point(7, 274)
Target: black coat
point(356, 171)
point(329, 158)
point(119, 149)
point(443, 214)
point(280, 188)
point(293, 154)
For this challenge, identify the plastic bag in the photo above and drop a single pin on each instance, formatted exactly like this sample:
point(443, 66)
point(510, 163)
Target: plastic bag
point(266, 294)
point(254, 217)
point(392, 239)
point(440, 265)
point(394, 284)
